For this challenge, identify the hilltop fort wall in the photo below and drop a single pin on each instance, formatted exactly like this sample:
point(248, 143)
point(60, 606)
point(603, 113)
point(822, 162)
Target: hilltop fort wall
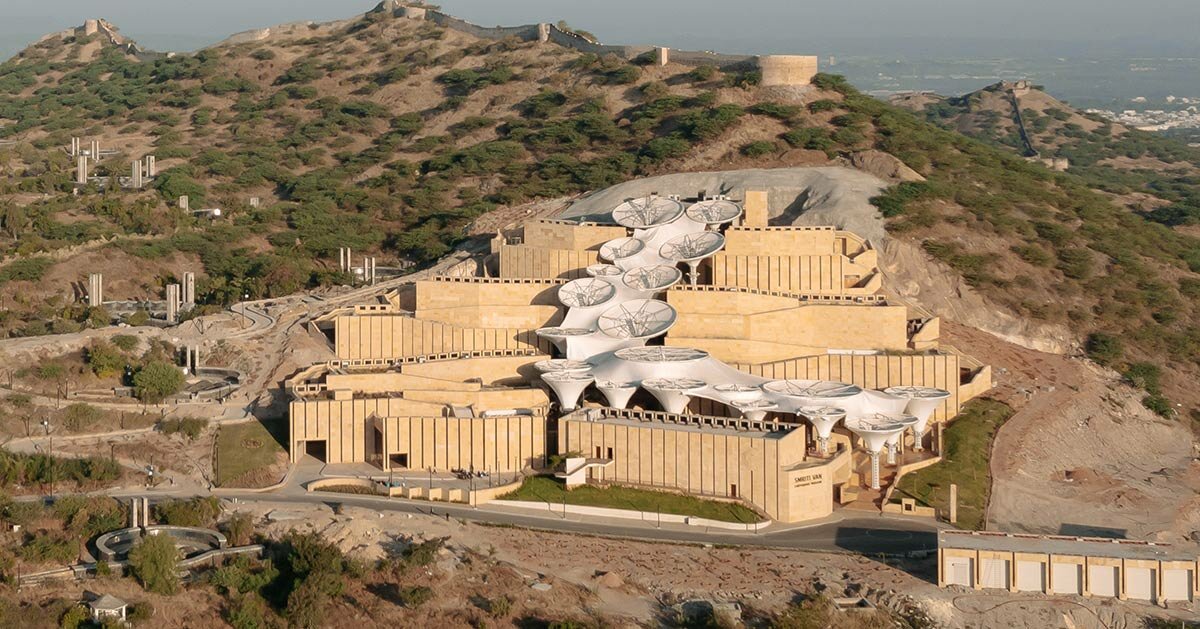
point(775, 69)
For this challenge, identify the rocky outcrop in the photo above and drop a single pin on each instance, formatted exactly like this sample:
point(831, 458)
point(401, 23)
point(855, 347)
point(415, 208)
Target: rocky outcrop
point(884, 166)
point(913, 276)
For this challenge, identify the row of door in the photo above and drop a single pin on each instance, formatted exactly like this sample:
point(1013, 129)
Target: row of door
point(1140, 583)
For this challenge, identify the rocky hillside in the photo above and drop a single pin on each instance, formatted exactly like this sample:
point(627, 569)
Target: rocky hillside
point(391, 135)
point(1147, 172)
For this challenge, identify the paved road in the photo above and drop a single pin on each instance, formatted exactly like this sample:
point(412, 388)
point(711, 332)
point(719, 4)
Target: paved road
point(866, 535)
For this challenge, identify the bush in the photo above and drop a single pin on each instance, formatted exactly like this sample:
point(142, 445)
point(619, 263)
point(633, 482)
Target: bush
point(198, 511)
point(1145, 376)
point(188, 426)
point(154, 562)
point(1103, 348)
point(239, 529)
point(157, 381)
point(415, 596)
point(818, 106)
point(76, 616)
point(49, 548)
point(499, 607)
point(812, 138)
point(105, 359)
point(700, 74)
point(125, 342)
point(1159, 404)
point(758, 149)
point(78, 417)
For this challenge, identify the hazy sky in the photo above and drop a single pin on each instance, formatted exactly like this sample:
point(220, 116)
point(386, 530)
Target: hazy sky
point(844, 27)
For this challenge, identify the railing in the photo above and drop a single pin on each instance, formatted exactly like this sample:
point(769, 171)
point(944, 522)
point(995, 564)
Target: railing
point(499, 280)
point(740, 424)
point(876, 300)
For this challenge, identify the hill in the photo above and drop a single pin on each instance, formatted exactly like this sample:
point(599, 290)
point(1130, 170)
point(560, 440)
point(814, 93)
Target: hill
point(1147, 172)
point(392, 135)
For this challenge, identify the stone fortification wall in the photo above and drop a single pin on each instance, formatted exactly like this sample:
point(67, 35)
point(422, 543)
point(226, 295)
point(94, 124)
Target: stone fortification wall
point(783, 70)
point(525, 32)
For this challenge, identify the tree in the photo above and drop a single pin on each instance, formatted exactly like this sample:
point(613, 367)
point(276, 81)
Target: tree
point(248, 611)
point(154, 562)
point(157, 381)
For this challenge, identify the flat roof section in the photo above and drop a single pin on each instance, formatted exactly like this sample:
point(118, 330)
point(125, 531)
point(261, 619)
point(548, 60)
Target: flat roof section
point(1062, 545)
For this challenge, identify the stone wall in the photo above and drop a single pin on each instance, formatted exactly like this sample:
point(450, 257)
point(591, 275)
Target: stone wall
point(782, 70)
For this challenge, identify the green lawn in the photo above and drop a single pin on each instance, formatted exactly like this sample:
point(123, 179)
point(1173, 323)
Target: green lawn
point(546, 489)
point(243, 449)
point(968, 442)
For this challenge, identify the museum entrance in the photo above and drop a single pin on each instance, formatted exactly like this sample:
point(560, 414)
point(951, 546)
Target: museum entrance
point(316, 450)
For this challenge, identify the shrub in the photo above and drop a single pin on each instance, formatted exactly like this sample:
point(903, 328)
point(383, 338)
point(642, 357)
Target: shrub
point(188, 426)
point(78, 417)
point(125, 342)
point(623, 75)
point(777, 110)
point(49, 548)
point(1159, 404)
point(812, 138)
point(699, 74)
point(157, 381)
point(239, 529)
point(758, 148)
point(1145, 376)
point(824, 104)
point(76, 616)
point(499, 607)
point(415, 596)
point(1104, 348)
point(105, 360)
point(154, 562)
point(198, 511)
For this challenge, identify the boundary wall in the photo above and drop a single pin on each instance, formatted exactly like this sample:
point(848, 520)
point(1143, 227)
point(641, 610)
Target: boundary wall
point(775, 69)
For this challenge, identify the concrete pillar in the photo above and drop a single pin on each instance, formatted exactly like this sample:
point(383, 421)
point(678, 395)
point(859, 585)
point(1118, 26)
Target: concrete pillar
point(662, 55)
point(74, 147)
point(172, 303)
point(954, 505)
point(134, 507)
point(183, 202)
point(189, 289)
point(95, 152)
point(875, 471)
point(145, 512)
point(543, 32)
point(95, 290)
point(81, 169)
point(136, 175)
point(755, 211)
point(195, 358)
point(151, 167)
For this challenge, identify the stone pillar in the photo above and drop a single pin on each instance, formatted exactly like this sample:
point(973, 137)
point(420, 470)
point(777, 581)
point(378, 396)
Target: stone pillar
point(172, 303)
point(183, 202)
point(74, 147)
point(136, 175)
point(195, 358)
point(95, 151)
point(662, 55)
point(134, 507)
point(145, 512)
point(81, 169)
point(755, 211)
point(95, 290)
point(954, 507)
point(543, 32)
point(189, 289)
point(151, 167)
